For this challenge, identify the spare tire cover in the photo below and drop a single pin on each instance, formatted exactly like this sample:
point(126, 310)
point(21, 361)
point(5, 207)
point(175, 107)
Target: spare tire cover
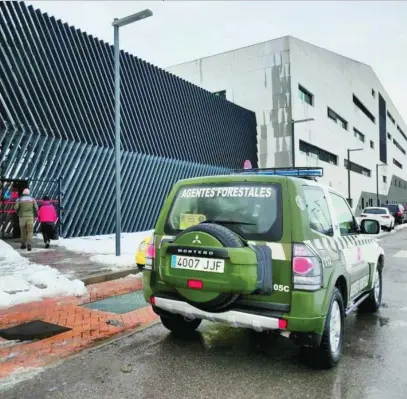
point(211, 301)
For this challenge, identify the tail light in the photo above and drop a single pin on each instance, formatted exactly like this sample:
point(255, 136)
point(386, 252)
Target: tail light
point(150, 255)
point(307, 268)
point(363, 216)
point(399, 213)
point(386, 216)
point(150, 251)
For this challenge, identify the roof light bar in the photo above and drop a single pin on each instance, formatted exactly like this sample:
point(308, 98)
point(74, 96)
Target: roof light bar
point(296, 172)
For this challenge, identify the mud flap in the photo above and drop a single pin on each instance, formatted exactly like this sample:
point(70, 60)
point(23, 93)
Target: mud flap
point(264, 269)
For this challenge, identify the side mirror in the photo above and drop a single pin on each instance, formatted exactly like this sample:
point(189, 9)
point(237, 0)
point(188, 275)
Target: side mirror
point(369, 226)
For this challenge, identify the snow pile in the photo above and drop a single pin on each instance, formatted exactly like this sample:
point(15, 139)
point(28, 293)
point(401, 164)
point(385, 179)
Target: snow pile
point(103, 248)
point(22, 281)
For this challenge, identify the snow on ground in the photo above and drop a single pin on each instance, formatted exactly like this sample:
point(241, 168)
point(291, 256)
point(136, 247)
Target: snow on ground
point(102, 248)
point(22, 281)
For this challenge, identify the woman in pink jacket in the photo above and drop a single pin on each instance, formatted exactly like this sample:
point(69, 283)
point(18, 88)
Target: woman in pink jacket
point(47, 216)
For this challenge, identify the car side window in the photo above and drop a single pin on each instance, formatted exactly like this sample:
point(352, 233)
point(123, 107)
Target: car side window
point(318, 210)
point(344, 215)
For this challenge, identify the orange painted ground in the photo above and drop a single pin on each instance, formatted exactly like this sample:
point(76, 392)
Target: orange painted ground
point(88, 326)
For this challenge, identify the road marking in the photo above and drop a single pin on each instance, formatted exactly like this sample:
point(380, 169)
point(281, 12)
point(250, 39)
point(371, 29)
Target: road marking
point(400, 254)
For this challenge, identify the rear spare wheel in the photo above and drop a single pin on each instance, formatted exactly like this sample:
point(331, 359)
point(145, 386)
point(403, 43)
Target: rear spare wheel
point(210, 266)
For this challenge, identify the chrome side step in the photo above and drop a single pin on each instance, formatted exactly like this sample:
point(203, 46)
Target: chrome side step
point(356, 304)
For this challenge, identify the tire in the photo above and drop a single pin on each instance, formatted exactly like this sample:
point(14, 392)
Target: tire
point(178, 325)
point(228, 239)
point(327, 354)
point(373, 302)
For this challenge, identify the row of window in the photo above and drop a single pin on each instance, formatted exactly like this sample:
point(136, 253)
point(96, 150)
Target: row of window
point(389, 115)
point(337, 119)
point(399, 146)
point(397, 163)
point(354, 167)
point(326, 156)
point(308, 98)
point(319, 153)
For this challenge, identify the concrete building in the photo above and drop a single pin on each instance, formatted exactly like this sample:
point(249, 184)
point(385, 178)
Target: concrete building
point(287, 79)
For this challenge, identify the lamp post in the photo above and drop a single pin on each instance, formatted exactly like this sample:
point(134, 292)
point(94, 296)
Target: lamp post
point(348, 167)
point(117, 23)
point(377, 182)
point(293, 122)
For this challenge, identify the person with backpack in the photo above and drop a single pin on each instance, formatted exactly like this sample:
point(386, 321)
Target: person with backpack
point(26, 208)
point(47, 216)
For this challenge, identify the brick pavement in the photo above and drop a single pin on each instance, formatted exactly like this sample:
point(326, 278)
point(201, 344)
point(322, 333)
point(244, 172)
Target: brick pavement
point(87, 326)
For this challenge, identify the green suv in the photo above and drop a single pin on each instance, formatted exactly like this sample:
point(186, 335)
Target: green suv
point(267, 249)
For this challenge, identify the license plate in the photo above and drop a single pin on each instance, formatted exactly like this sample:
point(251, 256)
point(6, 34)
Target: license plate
point(199, 264)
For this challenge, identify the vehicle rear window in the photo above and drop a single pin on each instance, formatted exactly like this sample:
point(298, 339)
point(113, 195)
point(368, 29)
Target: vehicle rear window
point(392, 208)
point(375, 211)
point(252, 210)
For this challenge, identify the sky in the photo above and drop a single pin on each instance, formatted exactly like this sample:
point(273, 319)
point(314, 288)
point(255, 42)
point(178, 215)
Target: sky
point(181, 31)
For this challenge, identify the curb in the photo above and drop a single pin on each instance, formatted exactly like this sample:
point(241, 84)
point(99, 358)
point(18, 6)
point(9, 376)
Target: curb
point(103, 277)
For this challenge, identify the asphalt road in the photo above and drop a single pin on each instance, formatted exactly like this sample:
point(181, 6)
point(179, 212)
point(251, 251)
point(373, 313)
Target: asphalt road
point(222, 362)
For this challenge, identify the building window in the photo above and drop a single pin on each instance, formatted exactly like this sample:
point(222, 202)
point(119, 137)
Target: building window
point(221, 94)
point(402, 133)
point(360, 136)
point(391, 118)
point(399, 146)
point(319, 153)
point(363, 108)
point(373, 93)
point(338, 119)
point(354, 167)
point(389, 136)
point(305, 95)
point(384, 179)
point(397, 163)
point(371, 144)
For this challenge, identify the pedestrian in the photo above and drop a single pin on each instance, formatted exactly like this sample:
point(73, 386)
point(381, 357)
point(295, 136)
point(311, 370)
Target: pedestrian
point(26, 208)
point(47, 216)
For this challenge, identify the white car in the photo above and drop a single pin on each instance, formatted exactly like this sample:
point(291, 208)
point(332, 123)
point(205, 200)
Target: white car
point(382, 215)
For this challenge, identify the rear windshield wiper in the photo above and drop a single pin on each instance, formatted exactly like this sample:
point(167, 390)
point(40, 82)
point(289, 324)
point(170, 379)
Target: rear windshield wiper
point(228, 222)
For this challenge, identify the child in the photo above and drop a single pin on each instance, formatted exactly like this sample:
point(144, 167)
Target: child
point(47, 216)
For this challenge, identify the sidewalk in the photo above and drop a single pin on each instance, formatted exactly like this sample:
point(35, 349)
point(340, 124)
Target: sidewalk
point(71, 264)
point(87, 326)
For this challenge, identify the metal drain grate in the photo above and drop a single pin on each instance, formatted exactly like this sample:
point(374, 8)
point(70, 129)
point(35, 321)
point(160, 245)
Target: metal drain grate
point(32, 331)
point(119, 304)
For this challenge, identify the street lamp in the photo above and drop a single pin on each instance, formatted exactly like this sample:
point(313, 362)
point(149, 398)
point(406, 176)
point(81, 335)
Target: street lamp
point(117, 23)
point(349, 151)
point(293, 122)
point(377, 181)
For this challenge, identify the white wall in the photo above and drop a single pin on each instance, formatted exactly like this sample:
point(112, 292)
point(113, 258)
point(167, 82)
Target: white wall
point(333, 79)
point(265, 77)
point(257, 78)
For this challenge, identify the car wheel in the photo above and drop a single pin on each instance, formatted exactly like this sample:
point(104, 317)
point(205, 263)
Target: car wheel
point(328, 353)
point(372, 303)
point(179, 325)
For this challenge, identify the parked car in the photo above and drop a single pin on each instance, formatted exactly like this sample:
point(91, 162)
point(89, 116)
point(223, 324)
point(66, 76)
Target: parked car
point(398, 211)
point(382, 215)
point(265, 250)
point(142, 251)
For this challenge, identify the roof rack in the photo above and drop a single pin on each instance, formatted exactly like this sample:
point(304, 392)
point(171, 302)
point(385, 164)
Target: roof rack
point(302, 172)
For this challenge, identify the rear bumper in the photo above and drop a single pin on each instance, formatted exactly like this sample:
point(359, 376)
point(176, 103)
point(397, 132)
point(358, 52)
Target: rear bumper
point(231, 317)
point(302, 331)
